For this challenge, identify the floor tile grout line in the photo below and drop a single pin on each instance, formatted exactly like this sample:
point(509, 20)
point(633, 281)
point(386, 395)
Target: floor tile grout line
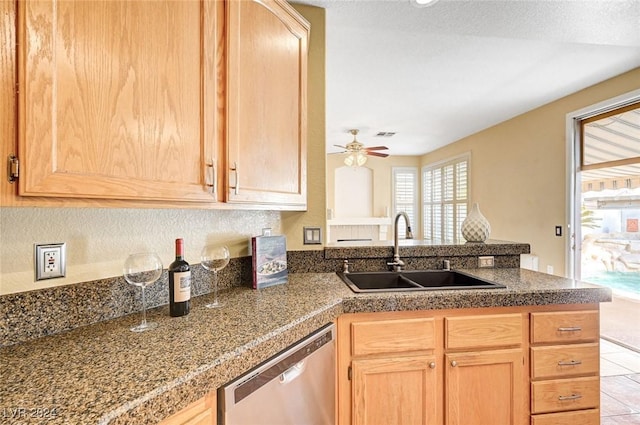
point(616, 349)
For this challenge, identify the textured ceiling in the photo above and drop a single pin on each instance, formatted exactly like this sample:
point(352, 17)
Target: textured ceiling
point(437, 74)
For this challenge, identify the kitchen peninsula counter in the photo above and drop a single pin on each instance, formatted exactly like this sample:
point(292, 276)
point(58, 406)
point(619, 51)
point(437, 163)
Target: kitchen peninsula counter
point(104, 373)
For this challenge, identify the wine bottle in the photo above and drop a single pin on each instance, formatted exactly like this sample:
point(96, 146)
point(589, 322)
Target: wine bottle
point(179, 283)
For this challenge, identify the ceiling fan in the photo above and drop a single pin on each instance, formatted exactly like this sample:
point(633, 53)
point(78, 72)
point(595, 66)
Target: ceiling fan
point(357, 152)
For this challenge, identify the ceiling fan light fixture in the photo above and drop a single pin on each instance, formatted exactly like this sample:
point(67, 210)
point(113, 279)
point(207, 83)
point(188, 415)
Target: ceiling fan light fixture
point(355, 159)
point(357, 152)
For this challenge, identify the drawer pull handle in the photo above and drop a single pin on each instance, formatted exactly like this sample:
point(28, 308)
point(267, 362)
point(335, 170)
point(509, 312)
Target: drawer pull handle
point(570, 363)
point(570, 329)
point(432, 365)
point(454, 363)
point(569, 397)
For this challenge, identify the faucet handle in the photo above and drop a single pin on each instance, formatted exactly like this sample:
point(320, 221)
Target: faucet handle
point(396, 265)
point(345, 266)
point(446, 265)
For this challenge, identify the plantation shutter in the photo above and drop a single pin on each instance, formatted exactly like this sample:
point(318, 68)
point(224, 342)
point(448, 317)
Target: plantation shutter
point(445, 199)
point(405, 194)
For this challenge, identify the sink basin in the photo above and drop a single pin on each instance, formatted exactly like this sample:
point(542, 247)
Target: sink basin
point(413, 280)
point(378, 281)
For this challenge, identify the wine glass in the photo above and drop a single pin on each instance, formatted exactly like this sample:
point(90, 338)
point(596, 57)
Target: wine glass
point(214, 258)
point(142, 270)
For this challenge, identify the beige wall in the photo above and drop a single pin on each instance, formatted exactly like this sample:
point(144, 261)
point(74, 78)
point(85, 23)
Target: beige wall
point(381, 168)
point(294, 222)
point(98, 240)
point(518, 170)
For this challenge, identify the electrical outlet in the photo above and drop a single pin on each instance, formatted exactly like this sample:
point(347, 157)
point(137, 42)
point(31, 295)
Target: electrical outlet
point(485, 261)
point(50, 260)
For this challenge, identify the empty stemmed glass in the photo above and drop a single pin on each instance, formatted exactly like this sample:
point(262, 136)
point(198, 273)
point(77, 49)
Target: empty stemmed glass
point(142, 270)
point(214, 258)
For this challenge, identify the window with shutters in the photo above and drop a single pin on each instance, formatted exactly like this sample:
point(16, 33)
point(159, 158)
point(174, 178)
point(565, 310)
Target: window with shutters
point(445, 198)
point(405, 198)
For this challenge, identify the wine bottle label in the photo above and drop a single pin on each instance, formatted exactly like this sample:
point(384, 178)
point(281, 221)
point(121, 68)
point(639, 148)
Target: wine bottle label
point(182, 287)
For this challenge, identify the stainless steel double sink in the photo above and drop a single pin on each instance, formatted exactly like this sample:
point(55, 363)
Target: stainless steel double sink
point(413, 280)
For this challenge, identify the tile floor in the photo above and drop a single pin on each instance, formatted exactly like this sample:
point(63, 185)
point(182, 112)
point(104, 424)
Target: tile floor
point(619, 385)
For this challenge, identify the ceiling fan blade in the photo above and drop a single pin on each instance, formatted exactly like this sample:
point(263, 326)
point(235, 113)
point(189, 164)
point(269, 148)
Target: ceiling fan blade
point(376, 148)
point(382, 155)
point(339, 146)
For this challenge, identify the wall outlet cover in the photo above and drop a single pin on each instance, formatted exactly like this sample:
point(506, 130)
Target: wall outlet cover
point(312, 236)
point(485, 261)
point(50, 260)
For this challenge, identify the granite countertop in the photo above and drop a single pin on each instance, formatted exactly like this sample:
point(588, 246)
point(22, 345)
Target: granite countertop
point(104, 373)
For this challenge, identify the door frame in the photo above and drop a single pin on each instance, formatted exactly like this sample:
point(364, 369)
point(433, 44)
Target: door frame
point(573, 250)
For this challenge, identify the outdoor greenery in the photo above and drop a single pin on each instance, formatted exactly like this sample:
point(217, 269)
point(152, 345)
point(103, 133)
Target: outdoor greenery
point(588, 219)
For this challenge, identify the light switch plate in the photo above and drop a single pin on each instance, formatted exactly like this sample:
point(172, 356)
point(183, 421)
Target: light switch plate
point(312, 235)
point(50, 260)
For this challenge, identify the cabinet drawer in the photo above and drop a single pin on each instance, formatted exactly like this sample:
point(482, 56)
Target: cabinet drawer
point(572, 326)
point(565, 360)
point(565, 394)
point(483, 331)
point(392, 336)
point(582, 417)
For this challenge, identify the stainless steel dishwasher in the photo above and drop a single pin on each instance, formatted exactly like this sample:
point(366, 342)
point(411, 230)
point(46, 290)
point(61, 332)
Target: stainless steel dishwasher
point(295, 387)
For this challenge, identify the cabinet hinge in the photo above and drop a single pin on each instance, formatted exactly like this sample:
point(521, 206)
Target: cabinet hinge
point(349, 373)
point(12, 168)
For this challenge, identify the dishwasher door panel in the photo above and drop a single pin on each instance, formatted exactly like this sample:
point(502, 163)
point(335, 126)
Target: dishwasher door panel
point(297, 387)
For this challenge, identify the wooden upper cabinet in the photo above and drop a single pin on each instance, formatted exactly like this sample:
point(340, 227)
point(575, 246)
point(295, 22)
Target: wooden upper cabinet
point(267, 45)
point(118, 99)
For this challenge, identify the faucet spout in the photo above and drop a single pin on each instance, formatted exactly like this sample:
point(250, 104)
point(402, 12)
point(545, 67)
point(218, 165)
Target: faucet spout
point(397, 263)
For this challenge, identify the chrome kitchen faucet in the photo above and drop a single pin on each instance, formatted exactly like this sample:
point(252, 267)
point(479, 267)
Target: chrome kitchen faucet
point(397, 263)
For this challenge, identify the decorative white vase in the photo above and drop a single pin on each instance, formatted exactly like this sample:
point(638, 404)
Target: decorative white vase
point(475, 228)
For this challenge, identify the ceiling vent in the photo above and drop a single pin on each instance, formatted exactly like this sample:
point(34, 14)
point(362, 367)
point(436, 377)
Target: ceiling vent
point(385, 133)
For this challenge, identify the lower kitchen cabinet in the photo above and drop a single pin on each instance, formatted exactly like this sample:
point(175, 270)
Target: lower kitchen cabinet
point(565, 368)
point(201, 412)
point(396, 390)
point(485, 388)
point(468, 367)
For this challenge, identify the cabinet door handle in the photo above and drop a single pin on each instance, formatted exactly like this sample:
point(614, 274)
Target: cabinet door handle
point(570, 329)
point(454, 363)
point(214, 175)
point(569, 363)
point(569, 397)
point(214, 178)
point(432, 365)
point(236, 188)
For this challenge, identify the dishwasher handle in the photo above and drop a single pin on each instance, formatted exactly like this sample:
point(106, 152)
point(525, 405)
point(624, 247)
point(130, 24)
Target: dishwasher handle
point(293, 372)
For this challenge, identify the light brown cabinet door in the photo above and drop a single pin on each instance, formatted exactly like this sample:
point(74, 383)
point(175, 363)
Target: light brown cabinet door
point(485, 388)
point(398, 390)
point(201, 412)
point(266, 99)
point(117, 99)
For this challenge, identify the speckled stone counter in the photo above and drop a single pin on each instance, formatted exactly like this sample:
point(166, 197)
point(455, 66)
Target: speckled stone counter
point(409, 248)
point(103, 373)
